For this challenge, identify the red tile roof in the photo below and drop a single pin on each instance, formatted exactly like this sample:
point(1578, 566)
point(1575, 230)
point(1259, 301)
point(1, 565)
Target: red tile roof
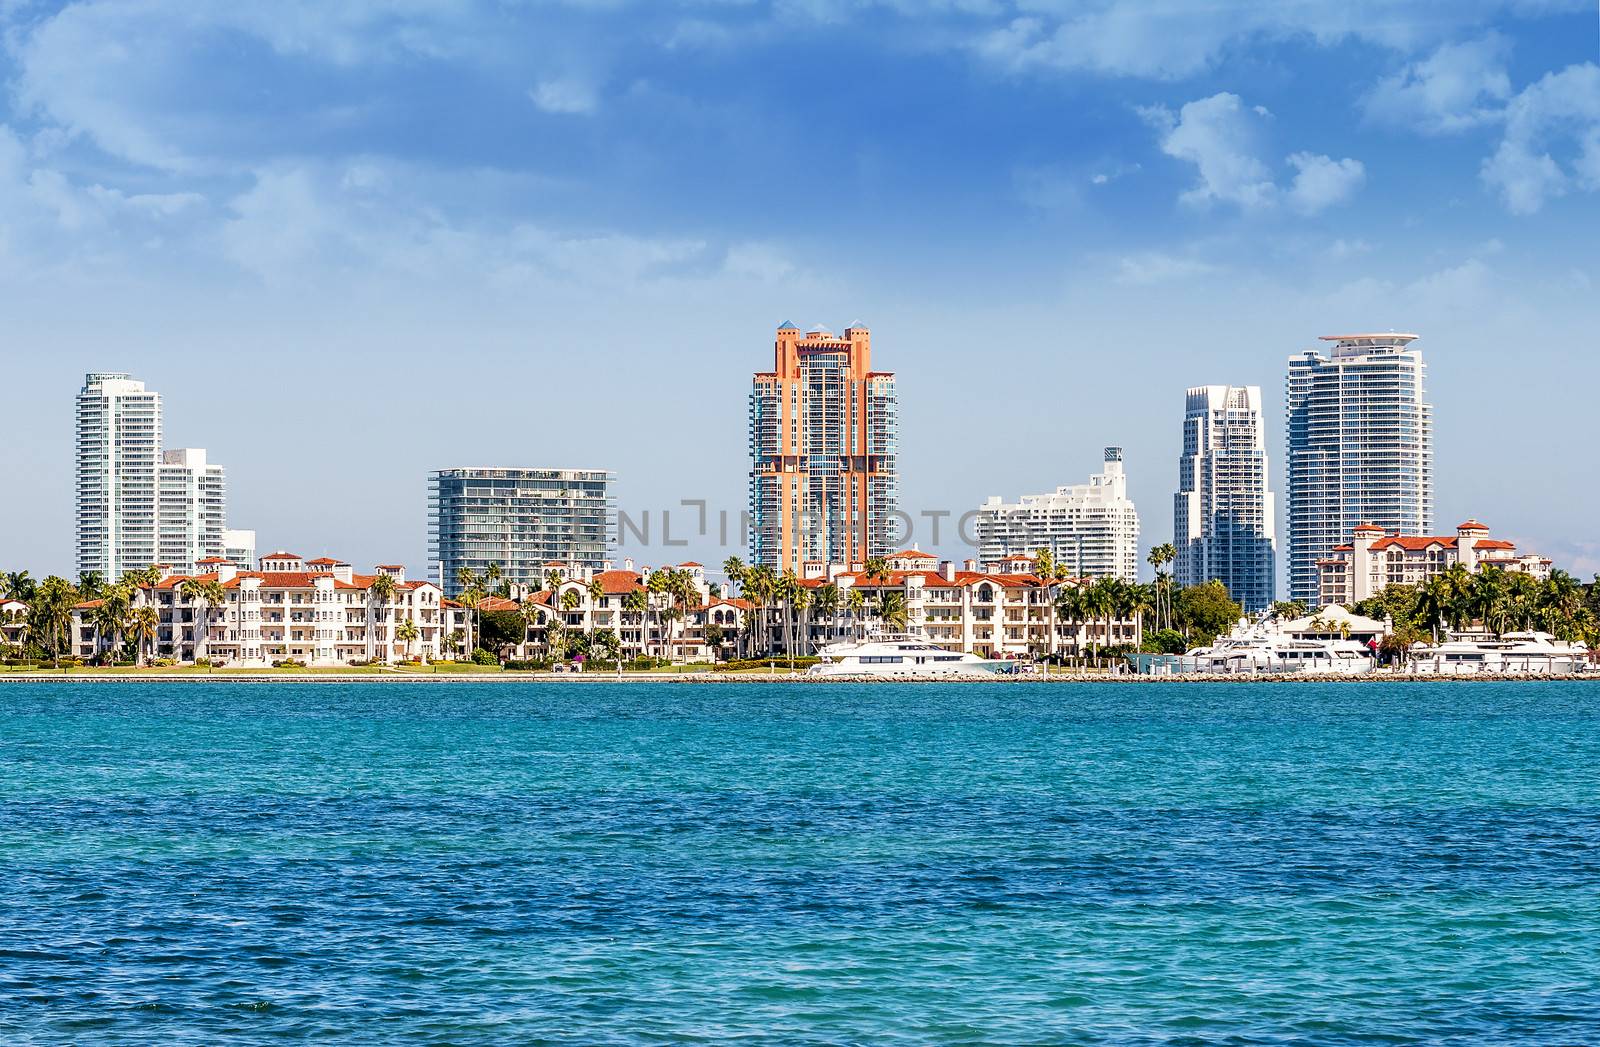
point(1472, 525)
point(326, 561)
point(391, 567)
point(911, 554)
point(616, 583)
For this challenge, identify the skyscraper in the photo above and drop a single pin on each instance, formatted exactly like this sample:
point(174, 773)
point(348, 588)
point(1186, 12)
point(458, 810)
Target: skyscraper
point(1223, 515)
point(520, 519)
point(192, 515)
point(824, 435)
point(1360, 447)
point(1092, 528)
point(135, 505)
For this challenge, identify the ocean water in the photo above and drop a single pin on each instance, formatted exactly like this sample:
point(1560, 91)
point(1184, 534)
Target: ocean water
point(919, 864)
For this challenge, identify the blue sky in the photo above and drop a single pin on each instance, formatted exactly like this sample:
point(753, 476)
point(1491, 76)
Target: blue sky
point(354, 242)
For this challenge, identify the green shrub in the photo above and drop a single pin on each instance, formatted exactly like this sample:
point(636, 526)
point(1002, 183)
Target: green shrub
point(202, 663)
point(289, 663)
point(482, 657)
point(163, 663)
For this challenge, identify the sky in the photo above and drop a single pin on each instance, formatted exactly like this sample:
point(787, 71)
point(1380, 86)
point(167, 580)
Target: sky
point(354, 242)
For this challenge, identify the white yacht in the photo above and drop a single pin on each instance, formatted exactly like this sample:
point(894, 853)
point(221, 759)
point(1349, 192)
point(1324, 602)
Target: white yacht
point(898, 655)
point(1282, 654)
point(1533, 654)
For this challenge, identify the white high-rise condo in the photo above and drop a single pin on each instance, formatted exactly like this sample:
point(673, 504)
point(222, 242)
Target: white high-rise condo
point(1092, 528)
point(1224, 514)
point(137, 506)
point(1360, 448)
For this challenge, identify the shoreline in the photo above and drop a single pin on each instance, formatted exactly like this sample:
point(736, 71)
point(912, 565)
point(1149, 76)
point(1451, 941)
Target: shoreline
point(248, 677)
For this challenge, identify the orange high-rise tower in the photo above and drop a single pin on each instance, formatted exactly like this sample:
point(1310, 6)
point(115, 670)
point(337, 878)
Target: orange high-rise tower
point(824, 430)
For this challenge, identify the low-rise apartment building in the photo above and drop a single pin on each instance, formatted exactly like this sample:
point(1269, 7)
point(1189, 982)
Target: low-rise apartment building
point(319, 612)
point(1375, 560)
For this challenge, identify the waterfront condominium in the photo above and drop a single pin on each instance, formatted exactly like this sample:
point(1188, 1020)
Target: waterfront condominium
point(138, 506)
point(1092, 528)
point(824, 434)
point(1360, 448)
point(519, 519)
point(1223, 513)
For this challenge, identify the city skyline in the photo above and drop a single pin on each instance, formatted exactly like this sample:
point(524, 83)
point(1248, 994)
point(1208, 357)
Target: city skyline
point(535, 221)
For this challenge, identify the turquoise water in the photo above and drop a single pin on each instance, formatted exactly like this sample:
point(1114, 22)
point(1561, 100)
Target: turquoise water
point(599, 863)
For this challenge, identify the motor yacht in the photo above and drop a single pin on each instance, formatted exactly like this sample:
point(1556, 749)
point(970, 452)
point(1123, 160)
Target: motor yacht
point(900, 655)
point(1532, 654)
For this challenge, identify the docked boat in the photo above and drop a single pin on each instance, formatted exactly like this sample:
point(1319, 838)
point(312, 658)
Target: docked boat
point(1530, 654)
point(1268, 653)
point(900, 655)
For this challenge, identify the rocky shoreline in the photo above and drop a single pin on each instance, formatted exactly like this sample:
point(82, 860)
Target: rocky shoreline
point(779, 678)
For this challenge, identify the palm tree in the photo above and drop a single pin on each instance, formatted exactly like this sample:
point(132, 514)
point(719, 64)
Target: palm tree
point(787, 586)
point(111, 617)
point(1049, 571)
point(469, 593)
point(892, 610)
point(735, 569)
point(532, 612)
point(1159, 557)
point(802, 607)
point(406, 633)
point(597, 595)
point(758, 587)
point(875, 567)
point(380, 594)
point(856, 602)
point(18, 586)
point(204, 594)
point(50, 613)
point(90, 585)
point(827, 600)
point(492, 580)
point(636, 603)
point(143, 625)
point(1072, 604)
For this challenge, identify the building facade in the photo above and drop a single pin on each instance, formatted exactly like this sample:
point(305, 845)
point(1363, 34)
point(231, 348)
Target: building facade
point(824, 441)
point(317, 612)
point(995, 610)
point(1360, 446)
point(1224, 515)
point(191, 515)
point(1374, 560)
point(1092, 528)
point(136, 505)
point(118, 462)
point(239, 548)
point(519, 519)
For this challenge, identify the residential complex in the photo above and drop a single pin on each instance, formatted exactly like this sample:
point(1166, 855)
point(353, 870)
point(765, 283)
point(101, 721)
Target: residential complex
point(520, 519)
point(138, 506)
point(994, 610)
point(1224, 514)
point(1374, 560)
point(1093, 528)
point(1360, 447)
point(824, 441)
point(316, 612)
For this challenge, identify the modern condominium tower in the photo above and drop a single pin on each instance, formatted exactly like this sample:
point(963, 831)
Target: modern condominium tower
point(824, 435)
point(1223, 514)
point(1360, 448)
point(135, 505)
point(520, 519)
point(1092, 528)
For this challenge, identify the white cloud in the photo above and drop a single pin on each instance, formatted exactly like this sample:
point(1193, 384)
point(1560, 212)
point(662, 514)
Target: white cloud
point(1559, 113)
point(1321, 182)
point(565, 97)
point(1222, 138)
point(1459, 86)
point(1219, 136)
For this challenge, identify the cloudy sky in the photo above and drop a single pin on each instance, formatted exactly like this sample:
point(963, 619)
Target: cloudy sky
point(352, 242)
